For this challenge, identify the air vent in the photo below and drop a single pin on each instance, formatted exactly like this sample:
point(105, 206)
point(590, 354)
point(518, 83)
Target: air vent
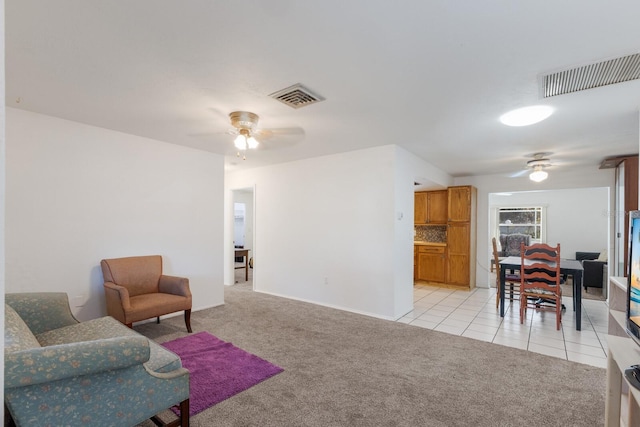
point(590, 76)
point(296, 96)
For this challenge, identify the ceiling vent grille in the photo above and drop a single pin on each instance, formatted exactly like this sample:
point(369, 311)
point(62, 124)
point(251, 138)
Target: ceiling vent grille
point(296, 96)
point(590, 76)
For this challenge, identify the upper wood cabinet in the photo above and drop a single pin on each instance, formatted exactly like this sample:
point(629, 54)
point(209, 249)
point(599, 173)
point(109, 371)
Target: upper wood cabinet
point(437, 207)
point(459, 204)
point(430, 207)
point(420, 208)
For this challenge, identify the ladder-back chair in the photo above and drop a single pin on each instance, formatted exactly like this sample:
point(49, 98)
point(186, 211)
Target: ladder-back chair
point(510, 279)
point(540, 279)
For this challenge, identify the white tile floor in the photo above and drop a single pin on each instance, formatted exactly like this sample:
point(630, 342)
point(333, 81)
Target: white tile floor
point(473, 314)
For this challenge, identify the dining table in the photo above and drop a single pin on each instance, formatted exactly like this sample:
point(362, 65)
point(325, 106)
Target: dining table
point(568, 267)
point(244, 253)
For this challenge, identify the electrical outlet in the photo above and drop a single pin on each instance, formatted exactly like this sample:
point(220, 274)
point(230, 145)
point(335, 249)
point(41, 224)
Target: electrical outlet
point(79, 301)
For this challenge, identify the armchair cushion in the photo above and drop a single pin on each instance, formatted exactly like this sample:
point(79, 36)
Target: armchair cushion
point(109, 328)
point(140, 275)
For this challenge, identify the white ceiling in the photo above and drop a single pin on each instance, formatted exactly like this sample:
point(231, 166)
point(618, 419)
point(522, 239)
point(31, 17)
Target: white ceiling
point(430, 76)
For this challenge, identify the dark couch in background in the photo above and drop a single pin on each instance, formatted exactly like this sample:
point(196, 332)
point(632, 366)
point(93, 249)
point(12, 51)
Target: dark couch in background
point(595, 273)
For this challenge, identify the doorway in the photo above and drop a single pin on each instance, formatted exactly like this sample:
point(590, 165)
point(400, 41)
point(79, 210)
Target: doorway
point(243, 237)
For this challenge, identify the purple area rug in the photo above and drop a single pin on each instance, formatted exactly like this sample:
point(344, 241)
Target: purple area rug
point(218, 369)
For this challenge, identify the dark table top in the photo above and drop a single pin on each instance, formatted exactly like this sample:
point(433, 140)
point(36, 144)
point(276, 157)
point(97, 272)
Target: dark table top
point(565, 264)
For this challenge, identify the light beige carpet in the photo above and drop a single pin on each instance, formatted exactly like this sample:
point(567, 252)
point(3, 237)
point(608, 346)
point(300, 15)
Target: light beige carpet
point(344, 369)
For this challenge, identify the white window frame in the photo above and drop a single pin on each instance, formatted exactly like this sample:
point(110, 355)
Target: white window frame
point(543, 220)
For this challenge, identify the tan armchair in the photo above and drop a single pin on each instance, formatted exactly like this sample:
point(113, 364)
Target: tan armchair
point(136, 289)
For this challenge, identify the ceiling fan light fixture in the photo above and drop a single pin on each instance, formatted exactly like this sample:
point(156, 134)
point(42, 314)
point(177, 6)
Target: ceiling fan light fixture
point(240, 142)
point(252, 143)
point(526, 116)
point(538, 175)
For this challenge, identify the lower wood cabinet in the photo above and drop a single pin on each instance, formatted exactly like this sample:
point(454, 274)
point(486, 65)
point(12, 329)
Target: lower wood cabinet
point(431, 263)
point(459, 260)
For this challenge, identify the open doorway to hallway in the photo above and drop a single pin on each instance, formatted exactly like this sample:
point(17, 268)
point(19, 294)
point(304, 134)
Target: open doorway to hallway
point(243, 237)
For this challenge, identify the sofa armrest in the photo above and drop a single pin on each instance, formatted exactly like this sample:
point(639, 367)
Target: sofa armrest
point(42, 311)
point(45, 364)
point(174, 285)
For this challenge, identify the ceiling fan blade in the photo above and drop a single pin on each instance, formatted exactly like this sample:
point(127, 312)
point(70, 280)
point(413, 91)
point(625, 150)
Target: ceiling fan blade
point(519, 173)
point(266, 133)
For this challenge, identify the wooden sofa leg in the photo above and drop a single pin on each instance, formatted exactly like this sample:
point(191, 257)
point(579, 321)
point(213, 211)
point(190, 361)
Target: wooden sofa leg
point(158, 320)
point(187, 320)
point(184, 413)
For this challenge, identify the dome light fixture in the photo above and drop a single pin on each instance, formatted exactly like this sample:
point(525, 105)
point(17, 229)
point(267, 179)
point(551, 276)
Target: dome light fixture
point(538, 164)
point(526, 116)
point(538, 175)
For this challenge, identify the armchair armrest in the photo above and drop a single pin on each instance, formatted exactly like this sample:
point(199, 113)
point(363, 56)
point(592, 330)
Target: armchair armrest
point(45, 364)
point(174, 285)
point(593, 273)
point(42, 311)
point(117, 299)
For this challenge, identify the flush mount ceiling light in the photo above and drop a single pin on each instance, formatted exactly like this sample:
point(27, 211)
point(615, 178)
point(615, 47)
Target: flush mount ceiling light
point(526, 116)
point(538, 164)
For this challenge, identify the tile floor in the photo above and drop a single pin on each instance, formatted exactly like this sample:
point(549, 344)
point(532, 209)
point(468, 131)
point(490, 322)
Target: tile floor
point(473, 314)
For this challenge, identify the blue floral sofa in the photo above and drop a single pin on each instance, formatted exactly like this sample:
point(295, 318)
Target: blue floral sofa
point(59, 371)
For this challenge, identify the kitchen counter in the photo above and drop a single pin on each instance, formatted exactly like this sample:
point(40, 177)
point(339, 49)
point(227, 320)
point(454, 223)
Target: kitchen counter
point(418, 242)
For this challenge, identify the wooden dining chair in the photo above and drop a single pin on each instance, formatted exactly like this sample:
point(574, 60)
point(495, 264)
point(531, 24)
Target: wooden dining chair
point(540, 279)
point(510, 279)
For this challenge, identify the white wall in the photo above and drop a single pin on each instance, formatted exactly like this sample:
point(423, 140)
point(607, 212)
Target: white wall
point(77, 194)
point(585, 178)
point(408, 170)
point(327, 229)
point(577, 218)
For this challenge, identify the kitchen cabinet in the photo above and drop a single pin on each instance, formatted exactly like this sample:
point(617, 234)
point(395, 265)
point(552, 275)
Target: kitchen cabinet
point(431, 263)
point(459, 199)
point(430, 207)
point(461, 237)
point(437, 207)
point(420, 208)
point(458, 257)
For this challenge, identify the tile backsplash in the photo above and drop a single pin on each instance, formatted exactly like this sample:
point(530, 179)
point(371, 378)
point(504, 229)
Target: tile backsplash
point(431, 233)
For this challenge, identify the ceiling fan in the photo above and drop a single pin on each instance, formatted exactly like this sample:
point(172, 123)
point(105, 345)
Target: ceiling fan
point(538, 164)
point(536, 167)
point(247, 134)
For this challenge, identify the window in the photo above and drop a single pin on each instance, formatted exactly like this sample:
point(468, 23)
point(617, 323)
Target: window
point(529, 220)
